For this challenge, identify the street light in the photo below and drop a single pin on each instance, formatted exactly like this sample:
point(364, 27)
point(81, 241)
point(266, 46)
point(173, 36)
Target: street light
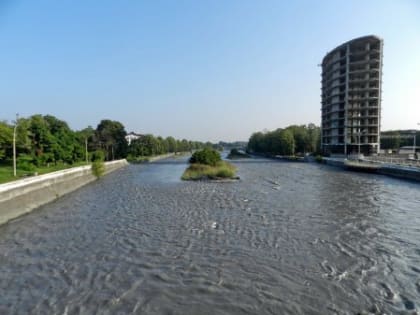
point(359, 133)
point(14, 145)
point(86, 150)
point(414, 145)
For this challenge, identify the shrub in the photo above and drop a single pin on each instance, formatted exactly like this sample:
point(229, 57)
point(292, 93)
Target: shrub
point(98, 168)
point(201, 171)
point(26, 163)
point(97, 155)
point(206, 156)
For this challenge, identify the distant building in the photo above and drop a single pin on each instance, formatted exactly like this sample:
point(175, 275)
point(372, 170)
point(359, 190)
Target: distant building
point(351, 97)
point(132, 136)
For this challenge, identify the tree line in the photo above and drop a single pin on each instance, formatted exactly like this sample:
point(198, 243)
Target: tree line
point(394, 139)
point(149, 145)
point(292, 140)
point(42, 140)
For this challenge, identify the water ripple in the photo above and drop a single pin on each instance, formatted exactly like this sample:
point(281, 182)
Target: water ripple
point(286, 239)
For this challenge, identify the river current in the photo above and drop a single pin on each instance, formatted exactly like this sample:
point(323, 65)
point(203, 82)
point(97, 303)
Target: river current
point(288, 238)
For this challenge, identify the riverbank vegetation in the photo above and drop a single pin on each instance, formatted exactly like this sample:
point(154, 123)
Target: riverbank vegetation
point(207, 164)
point(236, 154)
point(147, 146)
point(395, 139)
point(45, 143)
point(290, 141)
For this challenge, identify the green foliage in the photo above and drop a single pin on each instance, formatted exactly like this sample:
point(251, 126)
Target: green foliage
point(171, 144)
point(206, 156)
point(46, 142)
point(25, 162)
point(236, 154)
point(392, 141)
point(97, 155)
point(6, 139)
point(146, 145)
point(138, 159)
point(222, 170)
point(288, 141)
point(98, 168)
point(149, 145)
point(110, 137)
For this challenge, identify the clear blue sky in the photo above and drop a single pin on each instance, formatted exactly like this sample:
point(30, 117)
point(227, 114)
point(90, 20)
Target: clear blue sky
point(201, 70)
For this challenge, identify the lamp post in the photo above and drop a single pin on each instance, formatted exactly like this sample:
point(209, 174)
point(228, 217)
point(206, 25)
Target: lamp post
point(414, 145)
point(359, 134)
point(86, 151)
point(14, 145)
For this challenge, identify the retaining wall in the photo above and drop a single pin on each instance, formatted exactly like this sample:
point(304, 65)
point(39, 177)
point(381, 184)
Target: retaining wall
point(412, 173)
point(22, 196)
point(400, 171)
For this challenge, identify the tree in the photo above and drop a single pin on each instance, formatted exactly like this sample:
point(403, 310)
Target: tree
point(392, 141)
point(256, 142)
point(206, 156)
point(41, 140)
point(65, 146)
point(86, 141)
point(314, 139)
point(110, 136)
point(301, 138)
point(287, 143)
point(6, 138)
point(171, 144)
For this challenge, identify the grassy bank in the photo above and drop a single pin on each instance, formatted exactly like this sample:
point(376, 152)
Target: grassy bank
point(222, 170)
point(6, 171)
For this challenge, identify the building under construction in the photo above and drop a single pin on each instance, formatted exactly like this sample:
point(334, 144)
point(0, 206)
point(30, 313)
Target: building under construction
point(351, 97)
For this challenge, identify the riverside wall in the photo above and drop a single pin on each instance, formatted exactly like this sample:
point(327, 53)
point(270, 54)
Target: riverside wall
point(394, 170)
point(412, 173)
point(22, 196)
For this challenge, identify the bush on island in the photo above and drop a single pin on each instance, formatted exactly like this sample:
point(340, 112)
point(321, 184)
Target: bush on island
point(207, 164)
point(206, 156)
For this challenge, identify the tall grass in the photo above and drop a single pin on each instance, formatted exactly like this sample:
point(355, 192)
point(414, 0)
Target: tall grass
point(221, 170)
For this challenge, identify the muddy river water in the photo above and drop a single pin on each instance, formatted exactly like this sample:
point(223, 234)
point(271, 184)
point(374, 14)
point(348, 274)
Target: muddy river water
point(288, 238)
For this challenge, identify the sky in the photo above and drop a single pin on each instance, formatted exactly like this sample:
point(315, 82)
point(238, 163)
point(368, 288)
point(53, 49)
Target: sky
point(201, 70)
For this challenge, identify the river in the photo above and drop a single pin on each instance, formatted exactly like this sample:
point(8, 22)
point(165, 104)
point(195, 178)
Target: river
point(288, 238)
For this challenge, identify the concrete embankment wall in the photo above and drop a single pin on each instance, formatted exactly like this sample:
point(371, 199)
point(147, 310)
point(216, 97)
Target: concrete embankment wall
point(333, 162)
point(161, 157)
point(22, 196)
point(400, 171)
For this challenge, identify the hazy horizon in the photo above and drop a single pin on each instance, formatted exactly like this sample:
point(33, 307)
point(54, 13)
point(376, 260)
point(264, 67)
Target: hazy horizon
point(205, 70)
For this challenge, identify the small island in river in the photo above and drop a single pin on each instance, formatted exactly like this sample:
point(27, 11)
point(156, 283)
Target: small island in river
point(207, 164)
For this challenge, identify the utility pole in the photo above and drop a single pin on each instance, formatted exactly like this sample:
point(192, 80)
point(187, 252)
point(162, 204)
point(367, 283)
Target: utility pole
point(415, 145)
point(14, 145)
point(86, 150)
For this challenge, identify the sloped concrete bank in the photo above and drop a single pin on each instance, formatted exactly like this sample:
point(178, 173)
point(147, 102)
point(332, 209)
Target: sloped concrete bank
point(22, 196)
point(405, 172)
point(400, 171)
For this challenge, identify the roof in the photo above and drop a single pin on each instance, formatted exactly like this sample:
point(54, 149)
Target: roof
point(354, 40)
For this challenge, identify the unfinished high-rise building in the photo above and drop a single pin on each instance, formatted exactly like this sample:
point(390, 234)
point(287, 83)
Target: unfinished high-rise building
point(351, 97)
